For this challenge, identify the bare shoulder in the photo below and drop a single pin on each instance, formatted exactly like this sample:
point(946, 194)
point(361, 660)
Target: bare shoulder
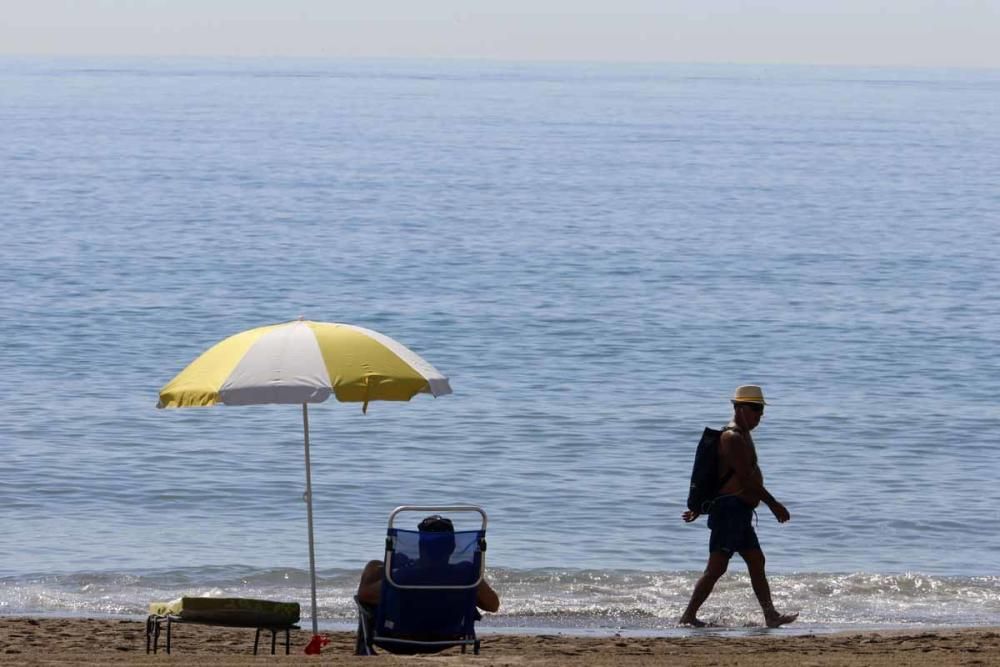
point(732, 436)
point(732, 439)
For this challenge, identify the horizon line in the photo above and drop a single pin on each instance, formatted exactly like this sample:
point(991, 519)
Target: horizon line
point(488, 59)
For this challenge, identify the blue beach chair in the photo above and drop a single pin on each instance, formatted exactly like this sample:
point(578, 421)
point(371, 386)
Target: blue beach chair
point(428, 594)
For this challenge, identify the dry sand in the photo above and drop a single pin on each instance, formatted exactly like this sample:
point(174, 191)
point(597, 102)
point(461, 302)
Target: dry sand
point(45, 641)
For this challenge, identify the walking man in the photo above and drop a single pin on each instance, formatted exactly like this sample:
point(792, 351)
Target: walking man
point(731, 515)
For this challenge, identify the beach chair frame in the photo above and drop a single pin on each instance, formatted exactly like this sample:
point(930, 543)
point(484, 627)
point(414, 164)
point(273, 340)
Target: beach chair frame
point(368, 638)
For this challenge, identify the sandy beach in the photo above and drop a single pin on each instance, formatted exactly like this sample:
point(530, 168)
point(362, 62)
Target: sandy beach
point(46, 641)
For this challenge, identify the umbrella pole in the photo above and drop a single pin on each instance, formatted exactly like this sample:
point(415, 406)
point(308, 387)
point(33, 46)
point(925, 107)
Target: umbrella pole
point(309, 513)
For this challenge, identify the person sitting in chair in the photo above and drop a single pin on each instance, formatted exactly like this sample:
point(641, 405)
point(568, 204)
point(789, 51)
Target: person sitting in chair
point(434, 555)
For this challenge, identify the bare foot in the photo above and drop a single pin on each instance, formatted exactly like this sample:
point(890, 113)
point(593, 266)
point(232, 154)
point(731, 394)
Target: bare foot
point(780, 619)
point(693, 622)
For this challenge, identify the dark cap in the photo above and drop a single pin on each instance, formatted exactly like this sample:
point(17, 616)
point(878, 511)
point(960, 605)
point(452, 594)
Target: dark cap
point(436, 523)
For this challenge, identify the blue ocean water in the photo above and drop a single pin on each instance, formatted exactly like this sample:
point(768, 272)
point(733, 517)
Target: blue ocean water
point(596, 255)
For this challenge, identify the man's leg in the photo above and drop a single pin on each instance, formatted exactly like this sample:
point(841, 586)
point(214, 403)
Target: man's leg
point(755, 565)
point(369, 590)
point(718, 561)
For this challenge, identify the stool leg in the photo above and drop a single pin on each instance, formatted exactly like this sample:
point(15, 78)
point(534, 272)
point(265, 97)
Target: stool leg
point(287, 640)
point(169, 624)
point(256, 639)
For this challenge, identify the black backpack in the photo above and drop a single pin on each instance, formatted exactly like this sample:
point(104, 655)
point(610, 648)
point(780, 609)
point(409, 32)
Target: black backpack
point(705, 482)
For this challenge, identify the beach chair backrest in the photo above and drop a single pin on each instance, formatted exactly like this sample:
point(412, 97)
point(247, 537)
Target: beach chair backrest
point(430, 582)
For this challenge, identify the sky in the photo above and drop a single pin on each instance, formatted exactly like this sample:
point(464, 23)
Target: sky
point(925, 33)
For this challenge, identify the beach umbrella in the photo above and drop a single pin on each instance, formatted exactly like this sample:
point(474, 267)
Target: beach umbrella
point(303, 362)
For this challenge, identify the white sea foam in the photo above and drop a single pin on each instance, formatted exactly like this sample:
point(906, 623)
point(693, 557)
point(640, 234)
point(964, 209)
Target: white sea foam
point(567, 599)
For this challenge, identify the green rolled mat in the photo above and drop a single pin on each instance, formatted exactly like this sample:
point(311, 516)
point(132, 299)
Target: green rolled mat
point(243, 612)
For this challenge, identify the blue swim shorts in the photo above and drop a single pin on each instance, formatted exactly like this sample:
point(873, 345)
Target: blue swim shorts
point(731, 522)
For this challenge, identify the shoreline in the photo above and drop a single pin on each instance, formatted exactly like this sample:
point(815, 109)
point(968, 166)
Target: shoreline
point(567, 629)
point(42, 640)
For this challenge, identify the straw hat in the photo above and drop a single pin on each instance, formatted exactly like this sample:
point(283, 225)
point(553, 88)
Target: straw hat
point(749, 393)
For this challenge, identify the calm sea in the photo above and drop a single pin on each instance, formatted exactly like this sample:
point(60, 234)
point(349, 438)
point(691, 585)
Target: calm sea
point(595, 255)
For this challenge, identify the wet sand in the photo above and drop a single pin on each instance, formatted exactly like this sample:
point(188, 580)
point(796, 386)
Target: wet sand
point(55, 641)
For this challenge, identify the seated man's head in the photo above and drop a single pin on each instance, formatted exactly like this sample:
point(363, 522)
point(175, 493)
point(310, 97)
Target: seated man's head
point(437, 539)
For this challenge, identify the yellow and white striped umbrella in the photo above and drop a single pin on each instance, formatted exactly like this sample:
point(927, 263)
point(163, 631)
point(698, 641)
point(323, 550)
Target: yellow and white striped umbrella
point(303, 362)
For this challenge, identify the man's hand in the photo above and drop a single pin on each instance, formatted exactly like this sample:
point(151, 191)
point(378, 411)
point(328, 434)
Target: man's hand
point(690, 516)
point(780, 512)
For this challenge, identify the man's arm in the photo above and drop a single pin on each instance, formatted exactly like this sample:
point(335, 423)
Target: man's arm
point(737, 452)
point(487, 598)
point(779, 511)
point(370, 588)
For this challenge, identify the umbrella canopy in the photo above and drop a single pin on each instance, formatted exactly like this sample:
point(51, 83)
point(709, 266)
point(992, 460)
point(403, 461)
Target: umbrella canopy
point(304, 362)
